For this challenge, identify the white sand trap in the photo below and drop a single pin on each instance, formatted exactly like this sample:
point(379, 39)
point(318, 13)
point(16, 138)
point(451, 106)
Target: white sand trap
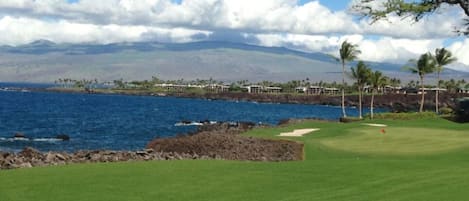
point(376, 125)
point(299, 132)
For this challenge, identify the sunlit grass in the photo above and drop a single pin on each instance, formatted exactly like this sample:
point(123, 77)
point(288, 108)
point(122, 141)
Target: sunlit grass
point(416, 160)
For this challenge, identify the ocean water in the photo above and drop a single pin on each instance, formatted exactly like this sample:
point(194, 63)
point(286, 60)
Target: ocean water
point(118, 122)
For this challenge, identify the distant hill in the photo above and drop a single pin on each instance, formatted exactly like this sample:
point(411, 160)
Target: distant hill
point(45, 61)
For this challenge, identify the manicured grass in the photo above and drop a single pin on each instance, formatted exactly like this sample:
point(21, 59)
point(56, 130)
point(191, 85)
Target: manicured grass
point(416, 160)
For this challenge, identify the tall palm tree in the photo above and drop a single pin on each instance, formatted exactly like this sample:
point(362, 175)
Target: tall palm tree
point(443, 57)
point(348, 52)
point(376, 81)
point(424, 65)
point(361, 74)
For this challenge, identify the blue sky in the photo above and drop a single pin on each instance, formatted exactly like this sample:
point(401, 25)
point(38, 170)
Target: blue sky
point(334, 5)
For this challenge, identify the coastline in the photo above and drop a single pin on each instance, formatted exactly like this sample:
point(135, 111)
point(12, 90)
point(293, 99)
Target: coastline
point(221, 141)
point(391, 102)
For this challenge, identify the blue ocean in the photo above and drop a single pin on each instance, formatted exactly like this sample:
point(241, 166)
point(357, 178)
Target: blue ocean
point(119, 122)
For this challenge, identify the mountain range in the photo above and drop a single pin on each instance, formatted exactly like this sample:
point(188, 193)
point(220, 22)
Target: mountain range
point(45, 61)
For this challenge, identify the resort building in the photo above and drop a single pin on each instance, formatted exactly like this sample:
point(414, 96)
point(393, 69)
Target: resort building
point(431, 90)
point(216, 88)
point(272, 90)
point(300, 90)
point(388, 89)
point(463, 90)
point(314, 90)
point(171, 87)
point(317, 90)
point(331, 91)
point(255, 89)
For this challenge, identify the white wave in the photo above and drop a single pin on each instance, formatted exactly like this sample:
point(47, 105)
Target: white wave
point(46, 140)
point(189, 124)
point(20, 139)
point(28, 139)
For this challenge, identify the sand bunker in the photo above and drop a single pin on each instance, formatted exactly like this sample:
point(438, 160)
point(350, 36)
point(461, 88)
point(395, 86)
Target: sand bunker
point(299, 132)
point(376, 125)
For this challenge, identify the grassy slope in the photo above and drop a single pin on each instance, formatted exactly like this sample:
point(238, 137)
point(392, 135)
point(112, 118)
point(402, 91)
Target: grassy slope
point(343, 162)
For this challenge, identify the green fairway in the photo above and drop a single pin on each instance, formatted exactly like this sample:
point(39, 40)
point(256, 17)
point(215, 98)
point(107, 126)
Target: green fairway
point(414, 160)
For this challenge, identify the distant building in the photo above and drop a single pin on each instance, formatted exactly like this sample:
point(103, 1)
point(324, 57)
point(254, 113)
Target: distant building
point(317, 90)
point(314, 90)
point(255, 89)
point(430, 90)
point(368, 89)
point(463, 90)
point(388, 89)
point(410, 90)
point(272, 90)
point(331, 91)
point(171, 87)
point(216, 88)
point(300, 90)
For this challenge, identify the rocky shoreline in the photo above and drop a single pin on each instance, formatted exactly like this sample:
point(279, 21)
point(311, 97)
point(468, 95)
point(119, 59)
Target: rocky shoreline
point(30, 157)
point(224, 141)
point(221, 141)
point(392, 102)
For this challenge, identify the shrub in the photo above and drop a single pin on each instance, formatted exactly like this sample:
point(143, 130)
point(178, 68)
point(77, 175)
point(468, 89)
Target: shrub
point(349, 119)
point(462, 110)
point(446, 111)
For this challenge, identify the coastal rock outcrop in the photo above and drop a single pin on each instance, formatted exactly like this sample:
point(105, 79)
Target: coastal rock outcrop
point(223, 141)
point(19, 135)
point(30, 157)
point(231, 147)
point(211, 141)
point(63, 137)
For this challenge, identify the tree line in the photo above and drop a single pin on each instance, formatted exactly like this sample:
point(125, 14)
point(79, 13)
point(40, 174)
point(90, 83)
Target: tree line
point(426, 64)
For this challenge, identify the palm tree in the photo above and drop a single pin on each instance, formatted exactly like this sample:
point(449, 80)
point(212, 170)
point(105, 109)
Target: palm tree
point(361, 74)
point(443, 57)
point(376, 81)
point(424, 65)
point(348, 52)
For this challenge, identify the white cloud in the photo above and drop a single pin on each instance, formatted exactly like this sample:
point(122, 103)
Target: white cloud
point(25, 30)
point(386, 49)
point(461, 51)
point(238, 15)
point(396, 50)
point(310, 27)
point(436, 26)
point(255, 16)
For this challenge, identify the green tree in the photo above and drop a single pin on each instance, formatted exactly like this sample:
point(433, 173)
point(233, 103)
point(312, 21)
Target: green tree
point(361, 75)
point(443, 57)
point(451, 85)
point(376, 81)
point(348, 52)
point(424, 65)
point(395, 82)
point(417, 9)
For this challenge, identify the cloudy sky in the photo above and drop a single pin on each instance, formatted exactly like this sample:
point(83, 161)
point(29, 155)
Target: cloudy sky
point(307, 25)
